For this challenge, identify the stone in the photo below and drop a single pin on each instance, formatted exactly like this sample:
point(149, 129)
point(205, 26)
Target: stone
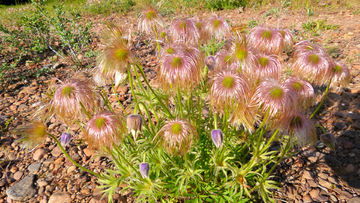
point(340, 125)
point(307, 199)
point(345, 195)
point(323, 175)
point(99, 199)
point(41, 183)
point(39, 154)
point(357, 124)
point(3, 182)
point(70, 169)
point(313, 159)
point(348, 133)
point(18, 175)
point(88, 152)
point(23, 190)
point(349, 168)
point(56, 152)
point(354, 200)
point(314, 193)
point(34, 168)
point(324, 183)
point(307, 175)
point(348, 145)
point(11, 157)
point(60, 197)
point(333, 198)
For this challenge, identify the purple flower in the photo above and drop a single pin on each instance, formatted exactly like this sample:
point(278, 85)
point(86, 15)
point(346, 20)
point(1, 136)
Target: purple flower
point(65, 139)
point(144, 169)
point(217, 137)
point(210, 62)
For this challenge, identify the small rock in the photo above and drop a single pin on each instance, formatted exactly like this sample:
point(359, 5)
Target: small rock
point(348, 134)
point(354, 200)
point(48, 161)
point(60, 197)
point(345, 195)
point(18, 175)
point(357, 124)
point(56, 152)
point(3, 182)
point(11, 157)
point(70, 169)
point(34, 168)
point(324, 183)
point(323, 175)
point(348, 145)
point(333, 198)
point(23, 190)
point(307, 175)
point(351, 154)
point(88, 152)
point(307, 199)
point(98, 199)
point(41, 183)
point(314, 193)
point(313, 159)
point(39, 154)
point(349, 168)
point(340, 126)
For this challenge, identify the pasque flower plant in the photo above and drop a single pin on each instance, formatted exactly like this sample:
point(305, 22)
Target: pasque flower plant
point(200, 135)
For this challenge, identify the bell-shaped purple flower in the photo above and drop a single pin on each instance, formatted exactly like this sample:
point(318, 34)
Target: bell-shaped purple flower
point(329, 140)
point(144, 169)
point(65, 139)
point(210, 62)
point(217, 137)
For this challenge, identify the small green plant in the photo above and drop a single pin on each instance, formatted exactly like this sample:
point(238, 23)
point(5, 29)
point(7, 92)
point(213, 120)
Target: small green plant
point(309, 11)
point(315, 26)
point(224, 4)
point(252, 23)
point(110, 6)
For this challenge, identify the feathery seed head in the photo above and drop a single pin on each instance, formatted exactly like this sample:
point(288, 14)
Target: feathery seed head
point(313, 67)
point(185, 30)
point(177, 135)
point(218, 26)
point(300, 126)
point(341, 75)
point(104, 129)
point(265, 66)
point(305, 47)
point(287, 37)
point(245, 116)
point(224, 59)
point(266, 39)
point(33, 133)
point(67, 98)
point(149, 18)
point(217, 137)
point(228, 89)
point(272, 95)
point(303, 89)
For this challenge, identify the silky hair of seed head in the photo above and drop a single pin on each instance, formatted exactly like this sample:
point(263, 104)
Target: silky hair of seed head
point(304, 90)
point(266, 39)
point(177, 136)
point(149, 18)
point(341, 75)
point(184, 30)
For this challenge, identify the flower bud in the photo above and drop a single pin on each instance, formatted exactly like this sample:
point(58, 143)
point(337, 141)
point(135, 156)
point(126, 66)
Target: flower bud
point(65, 139)
point(210, 62)
point(217, 137)
point(144, 169)
point(134, 122)
point(329, 140)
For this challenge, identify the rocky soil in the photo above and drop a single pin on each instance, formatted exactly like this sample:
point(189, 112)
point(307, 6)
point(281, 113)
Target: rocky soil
point(311, 175)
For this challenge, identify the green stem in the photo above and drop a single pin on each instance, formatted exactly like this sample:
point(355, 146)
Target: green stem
point(214, 46)
point(271, 139)
point(157, 40)
point(322, 100)
point(132, 89)
point(148, 85)
point(179, 101)
point(74, 162)
point(148, 115)
point(117, 98)
point(106, 100)
point(127, 162)
point(215, 121)
point(86, 112)
point(287, 147)
point(322, 128)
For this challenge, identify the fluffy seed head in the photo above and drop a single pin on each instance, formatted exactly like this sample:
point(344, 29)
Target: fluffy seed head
point(177, 135)
point(228, 89)
point(305, 47)
point(204, 34)
point(116, 55)
point(303, 89)
point(144, 169)
point(217, 137)
point(218, 26)
point(67, 98)
point(266, 39)
point(341, 74)
point(101, 76)
point(104, 129)
point(33, 133)
point(184, 30)
point(179, 69)
point(313, 67)
point(242, 55)
point(287, 37)
point(265, 66)
point(271, 95)
point(245, 116)
point(149, 18)
point(301, 127)
point(329, 140)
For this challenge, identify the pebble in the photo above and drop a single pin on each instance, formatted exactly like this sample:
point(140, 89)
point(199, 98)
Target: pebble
point(41, 183)
point(354, 200)
point(60, 197)
point(34, 168)
point(314, 193)
point(351, 154)
point(349, 168)
point(11, 157)
point(348, 145)
point(98, 199)
point(307, 175)
point(340, 126)
point(56, 152)
point(357, 124)
point(39, 154)
point(88, 152)
point(70, 169)
point(324, 183)
point(3, 182)
point(23, 190)
point(307, 199)
point(18, 175)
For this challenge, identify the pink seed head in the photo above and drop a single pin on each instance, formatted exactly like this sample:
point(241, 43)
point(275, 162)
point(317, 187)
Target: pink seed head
point(184, 30)
point(149, 18)
point(266, 39)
